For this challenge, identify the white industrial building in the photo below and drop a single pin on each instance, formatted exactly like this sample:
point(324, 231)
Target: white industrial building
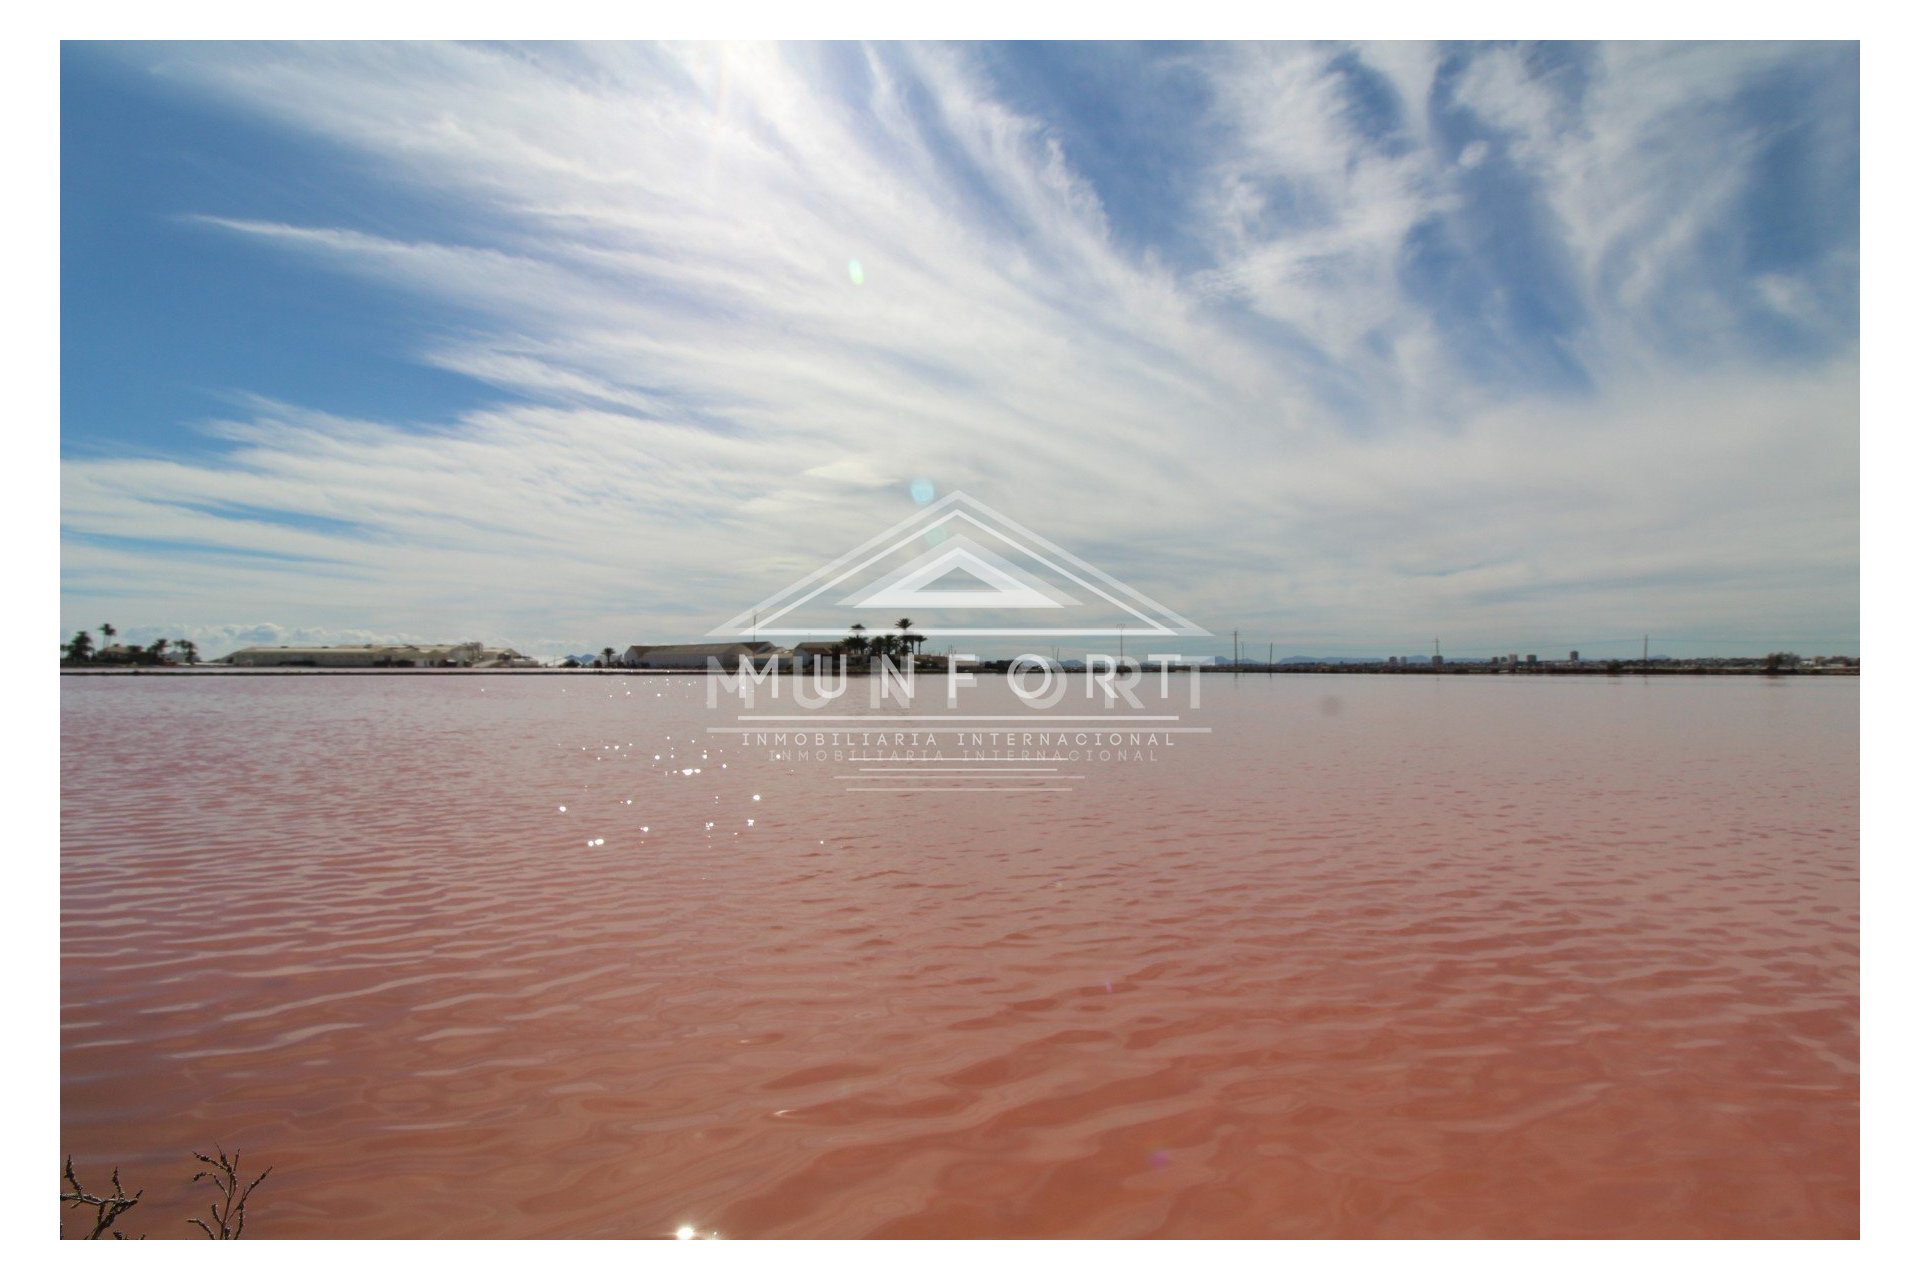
point(693, 657)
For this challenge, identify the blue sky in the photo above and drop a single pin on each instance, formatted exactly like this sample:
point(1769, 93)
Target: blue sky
point(1343, 346)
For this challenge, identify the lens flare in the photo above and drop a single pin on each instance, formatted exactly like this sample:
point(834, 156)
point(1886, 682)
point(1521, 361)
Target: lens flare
point(854, 271)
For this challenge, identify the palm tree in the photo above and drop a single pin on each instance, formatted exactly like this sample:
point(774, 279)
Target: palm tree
point(856, 643)
point(107, 632)
point(905, 625)
point(606, 655)
point(158, 649)
point(80, 648)
point(189, 649)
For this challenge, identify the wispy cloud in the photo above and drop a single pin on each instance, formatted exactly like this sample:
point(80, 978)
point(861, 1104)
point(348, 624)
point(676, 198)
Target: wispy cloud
point(1508, 342)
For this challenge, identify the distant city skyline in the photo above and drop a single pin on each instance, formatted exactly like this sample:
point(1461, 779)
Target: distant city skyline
point(1528, 347)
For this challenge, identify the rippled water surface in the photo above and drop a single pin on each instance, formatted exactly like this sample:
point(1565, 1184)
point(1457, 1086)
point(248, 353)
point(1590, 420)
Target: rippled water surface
point(536, 955)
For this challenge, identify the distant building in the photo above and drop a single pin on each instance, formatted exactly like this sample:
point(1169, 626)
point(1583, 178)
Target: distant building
point(693, 657)
point(815, 653)
point(505, 658)
point(1574, 656)
point(359, 655)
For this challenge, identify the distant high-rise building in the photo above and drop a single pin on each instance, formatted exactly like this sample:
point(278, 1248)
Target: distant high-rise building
point(1574, 656)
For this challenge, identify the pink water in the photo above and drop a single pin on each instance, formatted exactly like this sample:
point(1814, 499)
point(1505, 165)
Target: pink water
point(1378, 956)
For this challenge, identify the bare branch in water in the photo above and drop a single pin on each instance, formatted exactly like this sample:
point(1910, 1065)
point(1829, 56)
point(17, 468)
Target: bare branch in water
point(230, 1213)
point(105, 1208)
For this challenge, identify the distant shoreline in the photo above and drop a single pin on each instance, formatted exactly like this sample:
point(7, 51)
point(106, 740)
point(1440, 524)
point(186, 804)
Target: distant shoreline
point(1359, 669)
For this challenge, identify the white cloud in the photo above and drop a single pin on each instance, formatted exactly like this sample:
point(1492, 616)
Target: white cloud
point(696, 399)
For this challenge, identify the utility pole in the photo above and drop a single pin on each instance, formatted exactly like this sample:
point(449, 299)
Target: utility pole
point(1236, 649)
point(1643, 652)
point(1269, 657)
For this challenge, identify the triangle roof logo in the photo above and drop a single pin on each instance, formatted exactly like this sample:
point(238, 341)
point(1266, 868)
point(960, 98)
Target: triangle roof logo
point(978, 567)
point(928, 582)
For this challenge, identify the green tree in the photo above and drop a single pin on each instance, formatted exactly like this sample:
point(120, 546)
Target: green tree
point(606, 656)
point(157, 651)
point(188, 650)
point(79, 650)
point(907, 637)
point(856, 641)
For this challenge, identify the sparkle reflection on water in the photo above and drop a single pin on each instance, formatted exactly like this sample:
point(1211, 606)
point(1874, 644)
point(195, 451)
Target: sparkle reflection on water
point(1381, 956)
